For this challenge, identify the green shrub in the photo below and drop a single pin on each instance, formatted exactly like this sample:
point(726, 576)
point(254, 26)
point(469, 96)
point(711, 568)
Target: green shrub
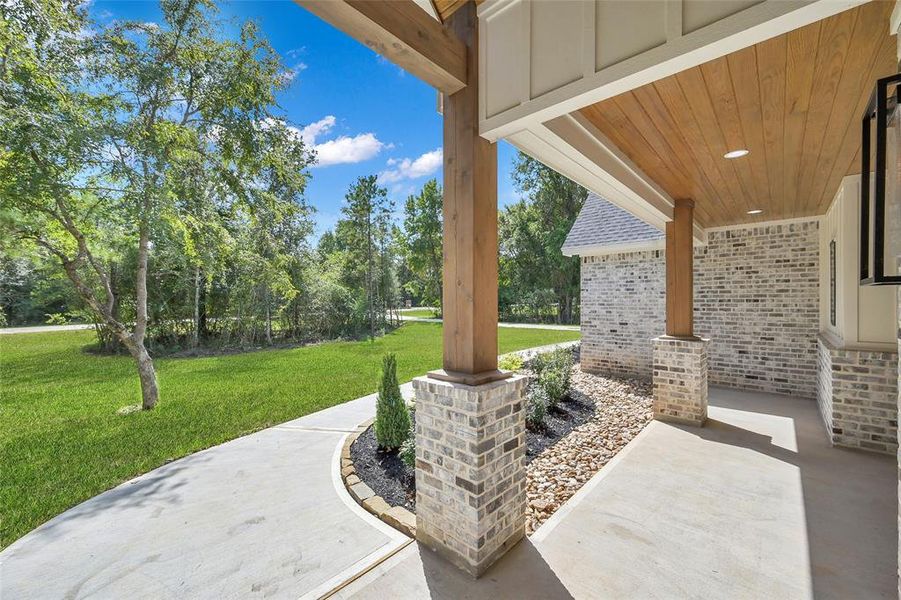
point(57, 319)
point(510, 362)
point(536, 408)
point(392, 419)
point(408, 448)
point(554, 373)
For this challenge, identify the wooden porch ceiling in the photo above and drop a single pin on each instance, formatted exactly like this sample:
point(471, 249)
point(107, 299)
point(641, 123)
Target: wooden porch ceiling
point(794, 101)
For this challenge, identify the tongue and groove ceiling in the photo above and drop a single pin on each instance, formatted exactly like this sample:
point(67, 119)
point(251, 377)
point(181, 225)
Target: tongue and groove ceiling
point(794, 101)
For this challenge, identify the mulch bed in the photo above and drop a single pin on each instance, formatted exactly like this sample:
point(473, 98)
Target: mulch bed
point(569, 413)
point(394, 481)
point(384, 472)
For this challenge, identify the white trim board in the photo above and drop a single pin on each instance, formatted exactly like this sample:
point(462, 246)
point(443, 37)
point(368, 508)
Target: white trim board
point(607, 249)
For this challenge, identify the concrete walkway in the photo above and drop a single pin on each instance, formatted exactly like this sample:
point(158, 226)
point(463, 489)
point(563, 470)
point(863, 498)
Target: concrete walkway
point(511, 325)
point(756, 504)
point(264, 515)
point(44, 328)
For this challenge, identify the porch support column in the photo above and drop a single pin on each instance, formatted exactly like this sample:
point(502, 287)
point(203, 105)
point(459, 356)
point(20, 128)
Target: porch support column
point(470, 425)
point(680, 357)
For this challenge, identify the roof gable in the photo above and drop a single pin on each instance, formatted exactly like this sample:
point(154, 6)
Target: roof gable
point(602, 226)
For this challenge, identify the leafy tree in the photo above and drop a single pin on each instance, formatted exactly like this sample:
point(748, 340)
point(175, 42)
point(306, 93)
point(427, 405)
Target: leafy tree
point(531, 233)
point(364, 236)
point(423, 226)
point(112, 139)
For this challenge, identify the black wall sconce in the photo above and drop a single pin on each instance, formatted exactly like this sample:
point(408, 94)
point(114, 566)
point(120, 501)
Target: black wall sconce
point(881, 214)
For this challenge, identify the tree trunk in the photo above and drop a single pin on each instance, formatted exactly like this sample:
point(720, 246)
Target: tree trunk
point(196, 339)
point(369, 293)
point(149, 391)
point(268, 319)
point(107, 313)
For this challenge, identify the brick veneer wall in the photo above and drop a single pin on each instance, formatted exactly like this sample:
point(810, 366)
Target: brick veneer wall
point(857, 393)
point(680, 380)
point(756, 298)
point(470, 469)
point(824, 385)
point(623, 308)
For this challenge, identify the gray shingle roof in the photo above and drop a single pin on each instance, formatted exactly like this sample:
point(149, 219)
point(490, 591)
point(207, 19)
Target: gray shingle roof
point(604, 224)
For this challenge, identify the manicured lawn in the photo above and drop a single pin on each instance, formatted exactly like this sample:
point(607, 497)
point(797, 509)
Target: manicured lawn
point(62, 441)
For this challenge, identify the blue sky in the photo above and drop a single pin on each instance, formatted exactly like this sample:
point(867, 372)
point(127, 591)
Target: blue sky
point(365, 115)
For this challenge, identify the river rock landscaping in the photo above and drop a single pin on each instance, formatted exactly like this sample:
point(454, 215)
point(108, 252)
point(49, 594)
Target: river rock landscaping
point(599, 416)
point(622, 409)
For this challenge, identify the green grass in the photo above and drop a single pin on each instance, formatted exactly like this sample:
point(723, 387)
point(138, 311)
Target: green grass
point(425, 313)
point(62, 441)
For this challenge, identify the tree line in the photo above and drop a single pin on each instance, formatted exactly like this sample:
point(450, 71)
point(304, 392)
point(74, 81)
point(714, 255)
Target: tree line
point(151, 186)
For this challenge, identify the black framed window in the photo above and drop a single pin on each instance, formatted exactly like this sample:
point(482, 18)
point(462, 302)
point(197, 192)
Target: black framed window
point(880, 202)
point(832, 282)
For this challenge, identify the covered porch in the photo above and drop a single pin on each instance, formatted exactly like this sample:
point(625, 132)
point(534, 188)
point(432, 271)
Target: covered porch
point(704, 117)
point(756, 504)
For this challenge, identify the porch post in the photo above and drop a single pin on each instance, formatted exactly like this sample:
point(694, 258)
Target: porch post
point(470, 425)
point(680, 358)
point(680, 271)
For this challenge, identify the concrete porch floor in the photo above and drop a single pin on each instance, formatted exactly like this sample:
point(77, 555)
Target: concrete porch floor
point(754, 505)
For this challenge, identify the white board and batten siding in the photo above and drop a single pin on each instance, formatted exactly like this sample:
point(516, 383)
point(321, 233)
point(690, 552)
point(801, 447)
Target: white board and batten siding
point(542, 60)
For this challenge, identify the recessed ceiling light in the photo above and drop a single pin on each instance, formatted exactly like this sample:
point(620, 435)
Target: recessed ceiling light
point(755, 211)
point(736, 153)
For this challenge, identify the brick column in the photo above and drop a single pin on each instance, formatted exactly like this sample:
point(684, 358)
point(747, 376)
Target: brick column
point(680, 358)
point(680, 379)
point(470, 469)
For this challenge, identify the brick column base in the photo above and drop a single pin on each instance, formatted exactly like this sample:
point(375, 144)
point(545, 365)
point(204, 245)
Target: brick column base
point(470, 469)
point(680, 379)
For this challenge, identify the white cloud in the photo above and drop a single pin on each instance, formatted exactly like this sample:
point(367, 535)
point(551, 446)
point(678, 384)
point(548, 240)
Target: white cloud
point(291, 74)
point(406, 168)
point(309, 133)
point(341, 150)
point(348, 150)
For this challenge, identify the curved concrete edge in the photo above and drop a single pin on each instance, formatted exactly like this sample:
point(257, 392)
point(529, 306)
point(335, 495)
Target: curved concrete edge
point(398, 541)
point(397, 517)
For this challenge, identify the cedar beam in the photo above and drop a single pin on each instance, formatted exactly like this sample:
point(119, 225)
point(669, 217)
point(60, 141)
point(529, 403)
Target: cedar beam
point(680, 271)
point(403, 33)
point(470, 228)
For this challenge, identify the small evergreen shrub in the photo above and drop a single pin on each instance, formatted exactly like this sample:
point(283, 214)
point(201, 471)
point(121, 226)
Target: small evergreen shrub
point(536, 408)
point(392, 419)
point(554, 386)
point(510, 362)
point(554, 374)
point(408, 448)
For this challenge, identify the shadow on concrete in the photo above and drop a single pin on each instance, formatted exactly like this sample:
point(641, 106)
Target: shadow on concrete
point(158, 487)
point(522, 573)
point(848, 495)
